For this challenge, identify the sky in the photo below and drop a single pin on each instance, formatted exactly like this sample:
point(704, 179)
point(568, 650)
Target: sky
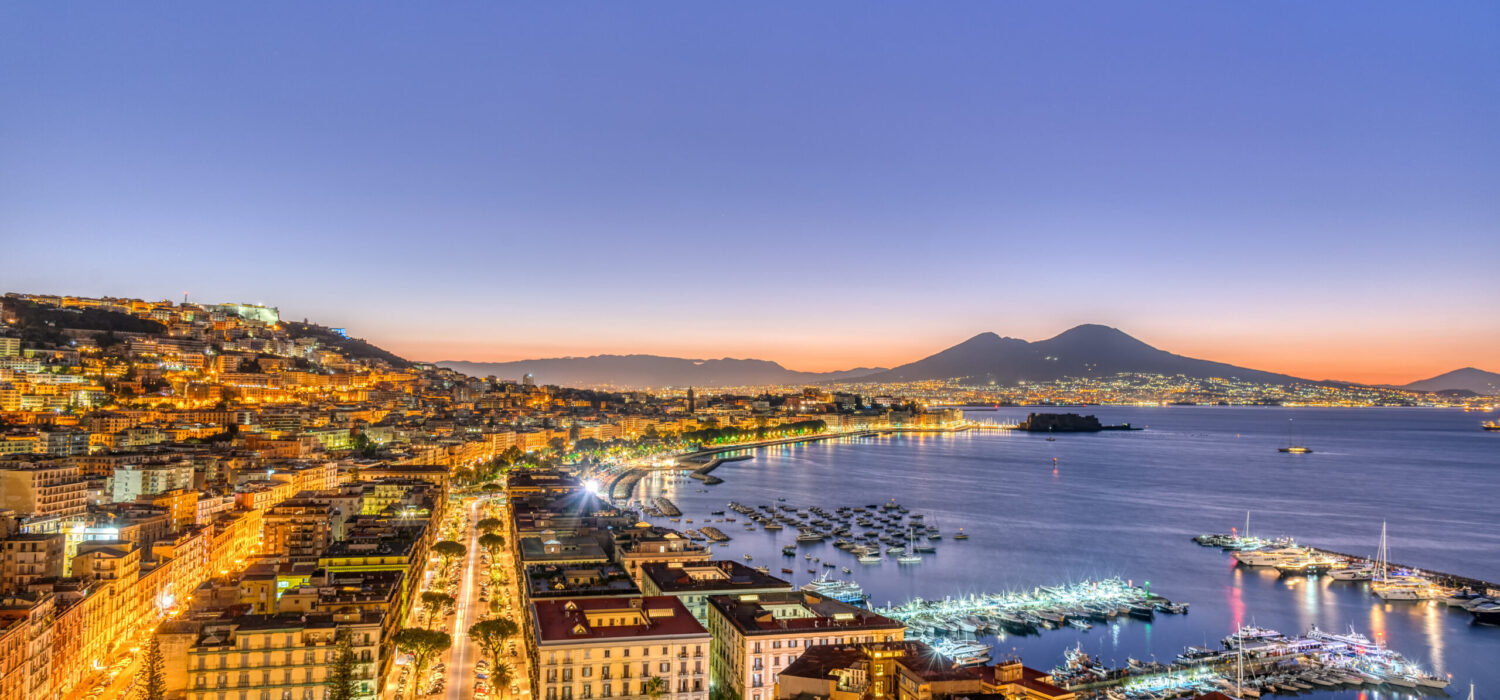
point(1309, 188)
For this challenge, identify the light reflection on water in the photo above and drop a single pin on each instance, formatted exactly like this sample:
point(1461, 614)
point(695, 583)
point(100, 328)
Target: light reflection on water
point(1127, 503)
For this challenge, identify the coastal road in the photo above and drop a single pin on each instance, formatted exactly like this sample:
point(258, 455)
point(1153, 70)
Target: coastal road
point(465, 652)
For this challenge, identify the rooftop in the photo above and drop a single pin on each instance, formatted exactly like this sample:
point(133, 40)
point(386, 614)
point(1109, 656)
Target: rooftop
point(778, 613)
point(554, 581)
point(708, 576)
point(584, 619)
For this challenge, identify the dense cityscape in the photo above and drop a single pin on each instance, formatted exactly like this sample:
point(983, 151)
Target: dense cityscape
point(730, 351)
point(182, 480)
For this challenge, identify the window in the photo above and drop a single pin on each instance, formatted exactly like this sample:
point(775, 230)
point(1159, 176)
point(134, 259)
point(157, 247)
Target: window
point(604, 690)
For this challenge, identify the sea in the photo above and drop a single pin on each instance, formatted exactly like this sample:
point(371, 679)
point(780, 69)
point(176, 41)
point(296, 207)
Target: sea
point(1127, 504)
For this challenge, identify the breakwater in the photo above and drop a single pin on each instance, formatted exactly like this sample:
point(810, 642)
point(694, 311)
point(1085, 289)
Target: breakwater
point(704, 473)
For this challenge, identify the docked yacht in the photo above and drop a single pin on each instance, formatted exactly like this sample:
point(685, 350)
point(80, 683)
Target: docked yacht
point(1360, 572)
point(1271, 557)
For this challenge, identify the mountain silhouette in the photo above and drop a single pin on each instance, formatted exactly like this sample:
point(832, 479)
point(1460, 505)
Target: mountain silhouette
point(1089, 350)
point(650, 371)
point(1466, 379)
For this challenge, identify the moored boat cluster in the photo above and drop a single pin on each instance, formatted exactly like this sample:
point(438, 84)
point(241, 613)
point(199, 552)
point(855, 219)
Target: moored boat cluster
point(942, 622)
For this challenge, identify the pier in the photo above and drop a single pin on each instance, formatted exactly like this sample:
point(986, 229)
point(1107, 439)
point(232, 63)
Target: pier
point(1444, 579)
point(1261, 661)
point(704, 473)
point(1079, 605)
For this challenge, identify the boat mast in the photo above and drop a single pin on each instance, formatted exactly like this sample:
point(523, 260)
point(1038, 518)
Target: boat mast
point(1381, 556)
point(1239, 681)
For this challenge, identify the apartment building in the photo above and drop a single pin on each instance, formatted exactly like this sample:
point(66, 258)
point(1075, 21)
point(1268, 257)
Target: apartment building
point(695, 582)
point(616, 648)
point(269, 657)
point(907, 670)
point(53, 495)
point(757, 635)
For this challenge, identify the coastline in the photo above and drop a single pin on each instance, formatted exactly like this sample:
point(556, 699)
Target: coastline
point(705, 460)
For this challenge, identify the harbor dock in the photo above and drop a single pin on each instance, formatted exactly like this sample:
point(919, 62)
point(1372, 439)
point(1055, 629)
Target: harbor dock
point(1078, 605)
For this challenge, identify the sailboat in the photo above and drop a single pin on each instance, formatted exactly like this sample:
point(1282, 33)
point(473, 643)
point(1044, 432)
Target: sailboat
point(1292, 448)
point(1401, 585)
point(1239, 677)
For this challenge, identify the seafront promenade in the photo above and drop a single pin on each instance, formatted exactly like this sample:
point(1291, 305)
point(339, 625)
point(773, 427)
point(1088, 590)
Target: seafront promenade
point(620, 482)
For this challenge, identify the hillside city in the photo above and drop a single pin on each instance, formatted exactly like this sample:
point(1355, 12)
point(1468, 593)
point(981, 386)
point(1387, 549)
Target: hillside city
point(211, 502)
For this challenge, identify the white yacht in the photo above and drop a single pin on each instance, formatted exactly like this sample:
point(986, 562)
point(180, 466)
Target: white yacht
point(1406, 587)
point(1271, 557)
point(1359, 572)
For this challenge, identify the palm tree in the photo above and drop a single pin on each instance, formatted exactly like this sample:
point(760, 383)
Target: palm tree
point(424, 646)
point(654, 687)
point(501, 675)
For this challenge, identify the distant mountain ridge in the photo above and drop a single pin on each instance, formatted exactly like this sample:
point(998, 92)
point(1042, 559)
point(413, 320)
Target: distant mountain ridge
point(651, 371)
point(1466, 379)
point(1088, 350)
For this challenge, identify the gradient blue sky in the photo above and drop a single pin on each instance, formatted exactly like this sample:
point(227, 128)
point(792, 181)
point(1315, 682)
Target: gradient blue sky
point(1303, 187)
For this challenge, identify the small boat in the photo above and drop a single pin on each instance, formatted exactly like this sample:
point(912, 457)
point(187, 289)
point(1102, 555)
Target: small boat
point(748, 557)
point(845, 570)
point(1291, 447)
point(909, 559)
point(785, 570)
point(961, 535)
point(869, 559)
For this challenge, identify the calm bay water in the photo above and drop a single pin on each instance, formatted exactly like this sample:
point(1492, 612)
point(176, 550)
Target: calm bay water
point(1127, 503)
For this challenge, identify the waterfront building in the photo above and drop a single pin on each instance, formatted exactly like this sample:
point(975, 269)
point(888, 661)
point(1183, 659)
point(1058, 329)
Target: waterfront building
point(906, 670)
point(756, 636)
point(613, 647)
point(695, 582)
point(557, 581)
point(646, 543)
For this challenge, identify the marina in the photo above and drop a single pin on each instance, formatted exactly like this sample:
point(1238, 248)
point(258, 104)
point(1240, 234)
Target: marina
point(870, 533)
point(1386, 580)
point(1253, 662)
point(1119, 503)
point(1078, 605)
